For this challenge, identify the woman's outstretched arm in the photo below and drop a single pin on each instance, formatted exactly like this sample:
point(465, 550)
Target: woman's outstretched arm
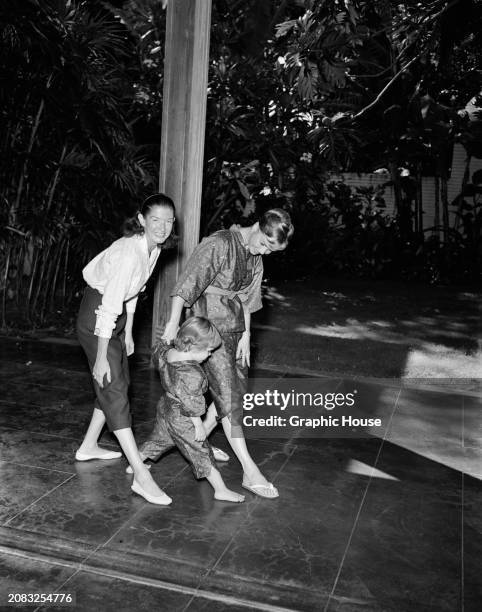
point(244, 349)
point(177, 305)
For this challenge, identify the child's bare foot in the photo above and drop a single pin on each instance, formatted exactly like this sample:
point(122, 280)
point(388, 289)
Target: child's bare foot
point(228, 495)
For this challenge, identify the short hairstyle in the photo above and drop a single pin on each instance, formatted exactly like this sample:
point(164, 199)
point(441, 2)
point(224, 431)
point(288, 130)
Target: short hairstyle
point(197, 332)
point(276, 223)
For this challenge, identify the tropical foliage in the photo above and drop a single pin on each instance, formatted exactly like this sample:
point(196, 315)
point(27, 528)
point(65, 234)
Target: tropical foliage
point(387, 86)
point(297, 89)
point(70, 165)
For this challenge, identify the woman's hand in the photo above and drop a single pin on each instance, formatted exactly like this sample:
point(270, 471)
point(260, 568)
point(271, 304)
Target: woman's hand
point(129, 344)
point(170, 332)
point(101, 369)
point(244, 350)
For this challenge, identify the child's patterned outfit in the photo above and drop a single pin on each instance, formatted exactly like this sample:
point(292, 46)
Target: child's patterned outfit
point(184, 383)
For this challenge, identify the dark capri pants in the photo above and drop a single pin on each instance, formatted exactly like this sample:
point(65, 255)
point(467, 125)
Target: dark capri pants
point(113, 398)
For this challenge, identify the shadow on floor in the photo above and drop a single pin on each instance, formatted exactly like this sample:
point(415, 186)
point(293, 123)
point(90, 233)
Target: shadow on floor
point(386, 522)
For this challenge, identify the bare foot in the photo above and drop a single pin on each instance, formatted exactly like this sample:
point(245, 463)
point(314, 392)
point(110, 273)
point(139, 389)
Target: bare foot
point(228, 495)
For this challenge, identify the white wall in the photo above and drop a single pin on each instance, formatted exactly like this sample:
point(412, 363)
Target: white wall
point(428, 185)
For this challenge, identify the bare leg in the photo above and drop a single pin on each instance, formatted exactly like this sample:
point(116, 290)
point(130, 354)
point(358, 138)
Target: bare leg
point(209, 422)
point(252, 474)
point(221, 491)
point(89, 446)
point(144, 458)
point(141, 474)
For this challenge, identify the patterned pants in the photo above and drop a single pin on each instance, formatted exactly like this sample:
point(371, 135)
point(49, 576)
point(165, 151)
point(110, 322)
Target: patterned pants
point(173, 429)
point(226, 376)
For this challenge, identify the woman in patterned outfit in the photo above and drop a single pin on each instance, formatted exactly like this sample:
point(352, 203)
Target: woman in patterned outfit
point(222, 282)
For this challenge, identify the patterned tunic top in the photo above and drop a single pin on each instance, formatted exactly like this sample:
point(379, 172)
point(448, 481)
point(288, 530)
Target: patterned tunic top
point(223, 262)
point(183, 381)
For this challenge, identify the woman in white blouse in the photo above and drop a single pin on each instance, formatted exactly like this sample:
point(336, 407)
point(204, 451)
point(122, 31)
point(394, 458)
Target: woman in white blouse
point(104, 326)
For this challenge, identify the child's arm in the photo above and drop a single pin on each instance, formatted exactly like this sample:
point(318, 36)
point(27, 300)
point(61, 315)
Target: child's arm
point(200, 433)
point(190, 389)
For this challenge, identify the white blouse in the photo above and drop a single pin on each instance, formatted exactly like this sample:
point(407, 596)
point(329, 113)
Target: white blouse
point(119, 273)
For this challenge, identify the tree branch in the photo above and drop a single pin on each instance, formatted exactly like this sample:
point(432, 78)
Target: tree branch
point(384, 90)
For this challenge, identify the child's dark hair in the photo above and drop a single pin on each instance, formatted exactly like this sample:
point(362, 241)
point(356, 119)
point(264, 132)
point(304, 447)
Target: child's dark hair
point(132, 226)
point(276, 223)
point(198, 332)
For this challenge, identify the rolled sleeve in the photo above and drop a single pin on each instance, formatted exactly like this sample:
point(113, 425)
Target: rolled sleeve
point(131, 305)
point(201, 269)
point(104, 322)
point(113, 297)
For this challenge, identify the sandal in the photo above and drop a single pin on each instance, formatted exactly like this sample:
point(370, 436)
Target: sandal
point(268, 491)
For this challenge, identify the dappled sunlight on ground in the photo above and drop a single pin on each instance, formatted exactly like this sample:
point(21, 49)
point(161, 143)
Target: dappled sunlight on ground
point(272, 295)
point(386, 331)
point(355, 330)
point(423, 359)
point(438, 361)
point(372, 329)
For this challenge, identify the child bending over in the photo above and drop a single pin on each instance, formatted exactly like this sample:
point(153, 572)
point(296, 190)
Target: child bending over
point(178, 417)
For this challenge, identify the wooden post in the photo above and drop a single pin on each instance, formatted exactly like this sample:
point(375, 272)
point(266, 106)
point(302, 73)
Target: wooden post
point(183, 127)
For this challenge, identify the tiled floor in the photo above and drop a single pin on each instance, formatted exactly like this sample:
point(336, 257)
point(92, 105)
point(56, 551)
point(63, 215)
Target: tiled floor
point(389, 522)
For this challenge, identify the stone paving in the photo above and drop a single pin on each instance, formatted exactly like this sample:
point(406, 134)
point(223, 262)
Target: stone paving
point(388, 522)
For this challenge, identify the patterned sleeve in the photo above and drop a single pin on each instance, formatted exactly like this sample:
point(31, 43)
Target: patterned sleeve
point(190, 391)
point(159, 352)
point(253, 301)
point(201, 269)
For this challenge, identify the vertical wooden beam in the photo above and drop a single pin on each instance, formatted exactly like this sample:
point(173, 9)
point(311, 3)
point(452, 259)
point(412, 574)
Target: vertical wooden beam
point(183, 128)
